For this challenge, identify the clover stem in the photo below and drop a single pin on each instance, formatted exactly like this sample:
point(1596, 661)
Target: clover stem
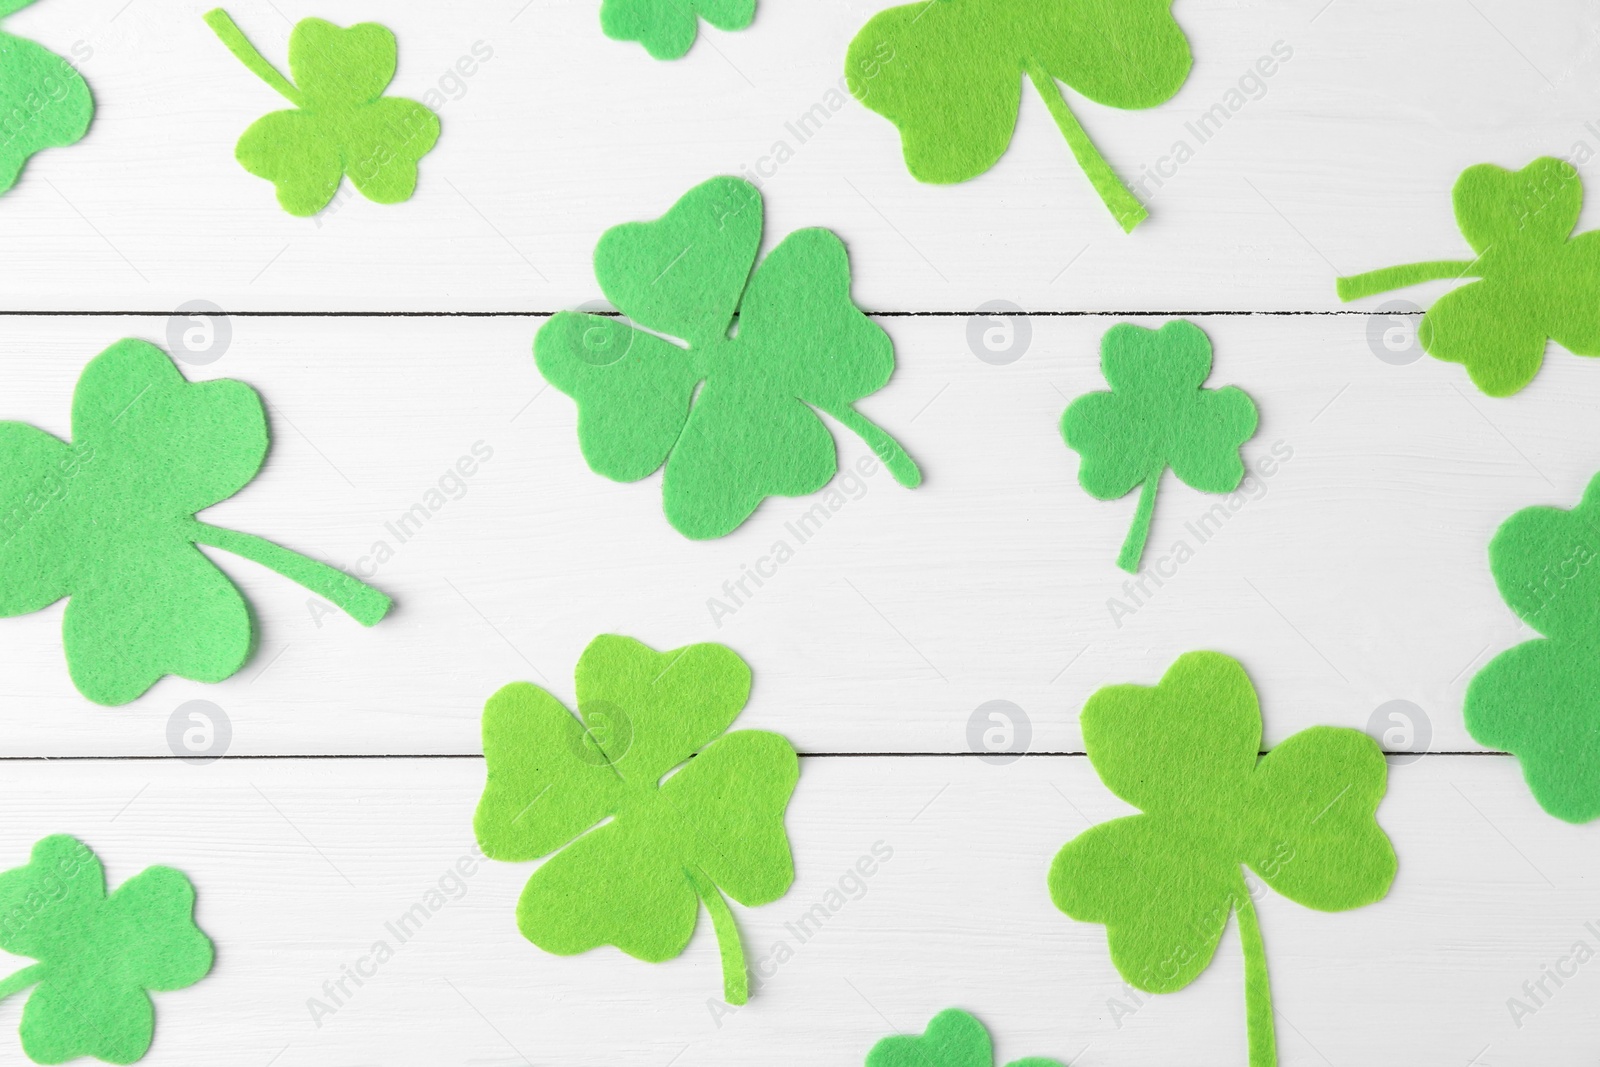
point(1133, 546)
point(355, 598)
point(223, 26)
point(1257, 988)
point(20, 980)
point(735, 977)
point(901, 466)
point(1124, 206)
point(1382, 281)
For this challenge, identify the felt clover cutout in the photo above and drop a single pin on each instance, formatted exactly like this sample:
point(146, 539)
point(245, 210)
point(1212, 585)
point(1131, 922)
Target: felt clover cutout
point(667, 28)
point(109, 521)
point(953, 1039)
point(1541, 699)
point(949, 74)
point(45, 98)
point(342, 123)
point(714, 826)
point(731, 415)
point(99, 955)
point(1187, 753)
point(1538, 282)
point(1157, 415)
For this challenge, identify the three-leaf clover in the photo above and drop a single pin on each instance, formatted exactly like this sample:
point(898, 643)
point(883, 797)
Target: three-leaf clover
point(98, 954)
point(1539, 283)
point(953, 1039)
point(109, 520)
point(1187, 753)
point(732, 415)
point(1541, 699)
point(1157, 415)
point(341, 123)
point(948, 73)
point(637, 882)
point(667, 28)
point(45, 98)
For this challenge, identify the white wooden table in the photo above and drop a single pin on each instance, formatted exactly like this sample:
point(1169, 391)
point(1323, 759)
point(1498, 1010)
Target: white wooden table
point(388, 341)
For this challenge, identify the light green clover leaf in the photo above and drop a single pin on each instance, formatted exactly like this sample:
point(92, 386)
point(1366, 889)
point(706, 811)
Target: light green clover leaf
point(1187, 753)
point(667, 28)
point(1539, 283)
point(638, 855)
point(342, 123)
point(1541, 699)
point(98, 954)
point(731, 415)
point(1157, 415)
point(953, 1039)
point(109, 521)
point(949, 74)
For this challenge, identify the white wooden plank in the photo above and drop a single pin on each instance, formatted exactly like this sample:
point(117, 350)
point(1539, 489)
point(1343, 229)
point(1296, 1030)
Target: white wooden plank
point(1357, 576)
point(293, 887)
point(1343, 163)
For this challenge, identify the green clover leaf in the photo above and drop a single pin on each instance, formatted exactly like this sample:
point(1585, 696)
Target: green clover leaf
point(46, 99)
point(667, 28)
point(109, 520)
point(343, 124)
point(949, 73)
point(97, 954)
point(713, 827)
point(1157, 415)
point(733, 417)
point(953, 1039)
point(1187, 753)
point(1539, 283)
point(1540, 700)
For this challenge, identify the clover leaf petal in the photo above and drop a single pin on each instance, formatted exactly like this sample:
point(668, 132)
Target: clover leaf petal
point(45, 99)
point(97, 954)
point(1164, 882)
point(948, 75)
point(109, 521)
point(667, 28)
point(1538, 283)
point(713, 827)
point(953, 1039)
point(732, 415)
point(1157, 415)
point(343, 122)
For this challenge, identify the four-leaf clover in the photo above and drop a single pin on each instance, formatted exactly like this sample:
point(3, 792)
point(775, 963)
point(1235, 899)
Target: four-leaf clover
point(953, 1039)
point(1541, 699)
point(665, 847)
point(45, 100)
point(1157, 415)
point(1539, 283)
point(732, 416)
point(1186, 752)
point(342, 123)
point(667, 28)
point(949, 73)
point(98, 954)
point(109, 520)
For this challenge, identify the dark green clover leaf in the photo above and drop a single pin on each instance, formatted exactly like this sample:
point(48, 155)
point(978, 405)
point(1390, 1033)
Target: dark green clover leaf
point(638, 855)
point(1157, 415)
point(1187, 753)
point(98, 955)
point(732, 415)
point(1541, 699)
point(109, 520)
point(949, 74)
point(1539, 283)
point(953, 1039)
point(667, 28)
point(44, 101)
point(342, 123)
